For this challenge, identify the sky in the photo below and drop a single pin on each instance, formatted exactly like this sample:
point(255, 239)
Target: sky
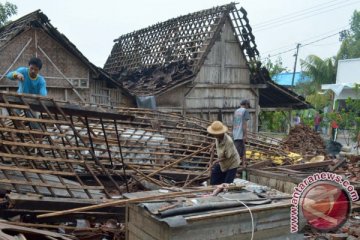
point(278, 25)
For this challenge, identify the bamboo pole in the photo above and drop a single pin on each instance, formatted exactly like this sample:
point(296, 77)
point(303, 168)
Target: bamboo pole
point(122, 202)
point(177, 161)
point(72, 86)
point(17, 57)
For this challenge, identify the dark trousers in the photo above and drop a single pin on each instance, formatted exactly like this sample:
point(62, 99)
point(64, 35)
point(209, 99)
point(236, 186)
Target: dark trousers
point(240, 147)
point(219, 177)
point(316, 128)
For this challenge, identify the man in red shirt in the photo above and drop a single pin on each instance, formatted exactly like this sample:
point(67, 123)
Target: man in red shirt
point(334, 127)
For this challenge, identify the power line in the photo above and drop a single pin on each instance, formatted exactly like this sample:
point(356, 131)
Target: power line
point(291, 15)
point(334, 31)
point(337, 30)
point(273, 25)
point(303, 45)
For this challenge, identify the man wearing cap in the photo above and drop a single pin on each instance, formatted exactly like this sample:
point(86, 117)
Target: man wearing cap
point(241, 116)
point(224, 169)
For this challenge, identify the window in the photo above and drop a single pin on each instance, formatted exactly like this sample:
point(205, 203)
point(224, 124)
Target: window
point(80, 82)
point(84, 83)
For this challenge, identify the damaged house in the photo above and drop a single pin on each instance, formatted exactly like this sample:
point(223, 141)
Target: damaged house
point(201, 65)
point(69, 74)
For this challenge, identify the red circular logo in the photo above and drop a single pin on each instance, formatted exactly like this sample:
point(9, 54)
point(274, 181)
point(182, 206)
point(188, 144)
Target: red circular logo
point(325, 206)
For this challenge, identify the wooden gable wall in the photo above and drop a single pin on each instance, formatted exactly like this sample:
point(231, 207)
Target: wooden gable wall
point(222, 82)
point(58, 64)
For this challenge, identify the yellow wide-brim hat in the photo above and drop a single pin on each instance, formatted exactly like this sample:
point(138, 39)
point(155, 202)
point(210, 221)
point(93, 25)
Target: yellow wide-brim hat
point(217, 128)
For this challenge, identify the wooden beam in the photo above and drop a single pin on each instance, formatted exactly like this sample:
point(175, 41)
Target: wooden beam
point(229, 86)
point(123, 202)
point(43, 146)
point(14, 168)
point(50, 185)
point(72, 86)
point(17, 57)
point(38, 158)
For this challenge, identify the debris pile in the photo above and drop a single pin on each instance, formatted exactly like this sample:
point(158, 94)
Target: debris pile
point(303, 140)
point(349, 231)
point(351, 169)
point(153, 79)
point(56, 156)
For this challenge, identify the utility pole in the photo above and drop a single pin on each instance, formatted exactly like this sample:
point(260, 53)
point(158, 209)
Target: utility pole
point(296, 56)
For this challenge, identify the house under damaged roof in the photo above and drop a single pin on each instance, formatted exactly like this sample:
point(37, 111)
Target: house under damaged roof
point(70, 76)
point(201, 64)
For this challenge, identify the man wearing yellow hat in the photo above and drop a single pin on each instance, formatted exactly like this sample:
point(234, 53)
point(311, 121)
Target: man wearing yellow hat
point(224, 169)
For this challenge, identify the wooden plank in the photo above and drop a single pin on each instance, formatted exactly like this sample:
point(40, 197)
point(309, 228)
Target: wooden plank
point(229, 85)
point(260, 164)
point(288, 177)
point(38, 158)
point(306, 165)
point(280, 185)
point(14, 168)
point(144, 199)
point(17, 106)
point(38, 120)
point(48, 133)
point(43, 146)
point(230, 212)
point(52, 185)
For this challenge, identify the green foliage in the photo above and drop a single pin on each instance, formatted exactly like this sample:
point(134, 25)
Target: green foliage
point(352, 117)
point(348, 118)
point(274, 68)
point(307, 117)
point(321, 71)
point(319, 101)
point(6, 11)
point(355, 25)
point(273, 121)
point(350, 46)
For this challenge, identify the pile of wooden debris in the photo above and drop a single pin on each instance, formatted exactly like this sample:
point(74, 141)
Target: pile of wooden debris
point(303, 140)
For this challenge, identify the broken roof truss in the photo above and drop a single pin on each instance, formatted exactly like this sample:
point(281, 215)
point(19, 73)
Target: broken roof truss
point(49, 148)
point(154, 59)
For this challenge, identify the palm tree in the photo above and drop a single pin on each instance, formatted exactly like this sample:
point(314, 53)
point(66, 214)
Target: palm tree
point(319, 70)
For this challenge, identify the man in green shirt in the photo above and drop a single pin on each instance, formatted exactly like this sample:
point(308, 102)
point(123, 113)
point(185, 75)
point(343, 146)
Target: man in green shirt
point(224, 169)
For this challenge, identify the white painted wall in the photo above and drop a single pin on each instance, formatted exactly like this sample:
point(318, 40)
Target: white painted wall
point(348, 71)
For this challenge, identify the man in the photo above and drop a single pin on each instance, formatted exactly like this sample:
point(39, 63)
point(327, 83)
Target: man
point(241, 116)
point(297, 119)
point(31, 82)
point(334, 127)
point(224, 169)
point(317, 121)
point(29, 79)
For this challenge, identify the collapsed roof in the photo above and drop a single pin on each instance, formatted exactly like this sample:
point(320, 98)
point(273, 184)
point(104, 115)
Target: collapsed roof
point(155, 59)
point(152, 60)
point(277, 96)
point(48, 148)
point(69, 151)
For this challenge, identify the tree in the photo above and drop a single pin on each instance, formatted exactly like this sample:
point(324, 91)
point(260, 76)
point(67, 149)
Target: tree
point(6, 11)
point(274, 121)
point(274, 68)
point(350, 46)
point(320, 71)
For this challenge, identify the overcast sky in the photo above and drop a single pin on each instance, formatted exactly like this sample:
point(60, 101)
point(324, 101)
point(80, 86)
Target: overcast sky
point(278, 25)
